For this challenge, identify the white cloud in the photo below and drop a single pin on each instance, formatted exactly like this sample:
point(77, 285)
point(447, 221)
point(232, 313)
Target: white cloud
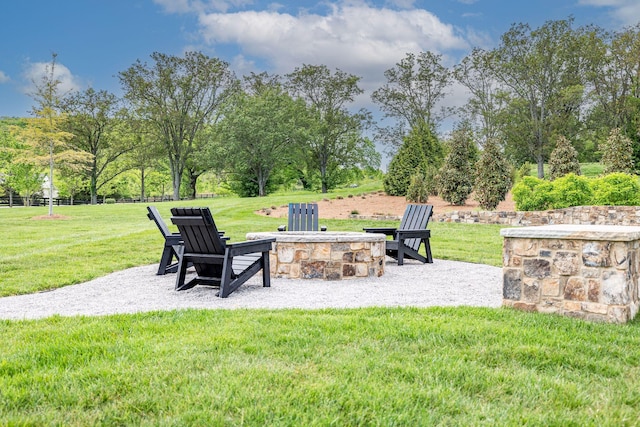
point(355, 38)
point(3, 77)
point(627, 12)
point(35, 71)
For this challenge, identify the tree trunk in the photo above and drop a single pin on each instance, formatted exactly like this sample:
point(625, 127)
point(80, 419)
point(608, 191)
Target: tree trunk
point(142, 184)
point(176, 184)
point(193, 180)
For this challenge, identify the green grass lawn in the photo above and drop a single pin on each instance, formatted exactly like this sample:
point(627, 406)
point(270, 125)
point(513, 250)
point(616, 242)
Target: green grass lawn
point(373, 366)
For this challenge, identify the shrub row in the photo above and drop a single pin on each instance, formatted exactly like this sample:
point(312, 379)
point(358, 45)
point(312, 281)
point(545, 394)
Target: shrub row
point(616, 189)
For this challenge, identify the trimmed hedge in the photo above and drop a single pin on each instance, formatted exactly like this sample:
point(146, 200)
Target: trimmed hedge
point(616, 189)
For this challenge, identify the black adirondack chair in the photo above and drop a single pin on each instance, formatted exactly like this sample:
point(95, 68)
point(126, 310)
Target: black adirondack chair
point(217, 263)
point(172, 244)
point(410, 235)
point(303, 217)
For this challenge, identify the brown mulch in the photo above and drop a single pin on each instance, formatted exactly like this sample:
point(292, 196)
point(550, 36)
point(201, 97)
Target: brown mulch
point(376, 204)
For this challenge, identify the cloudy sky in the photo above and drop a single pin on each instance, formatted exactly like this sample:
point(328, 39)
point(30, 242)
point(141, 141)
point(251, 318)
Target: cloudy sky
point(96, 39)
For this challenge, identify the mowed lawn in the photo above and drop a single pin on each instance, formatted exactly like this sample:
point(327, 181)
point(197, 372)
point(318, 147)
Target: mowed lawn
point(373, 366)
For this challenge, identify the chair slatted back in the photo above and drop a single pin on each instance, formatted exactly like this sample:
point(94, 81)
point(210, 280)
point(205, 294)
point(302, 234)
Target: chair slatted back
point(416, 217)
point(200, 236)
point(155, 216)
point(303, 217)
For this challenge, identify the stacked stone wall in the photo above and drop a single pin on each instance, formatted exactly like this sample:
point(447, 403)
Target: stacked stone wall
point(579, 215)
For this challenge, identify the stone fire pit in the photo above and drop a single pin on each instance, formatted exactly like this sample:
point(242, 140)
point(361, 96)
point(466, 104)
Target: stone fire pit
point(325, 255)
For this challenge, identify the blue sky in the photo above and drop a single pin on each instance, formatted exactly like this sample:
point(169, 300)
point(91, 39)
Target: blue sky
point(96, 39)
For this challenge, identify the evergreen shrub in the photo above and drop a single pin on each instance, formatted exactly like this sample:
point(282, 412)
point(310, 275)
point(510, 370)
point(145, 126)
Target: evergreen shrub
point(616, 189)
point(532, 194)
point(571, 190)
point(418, 191)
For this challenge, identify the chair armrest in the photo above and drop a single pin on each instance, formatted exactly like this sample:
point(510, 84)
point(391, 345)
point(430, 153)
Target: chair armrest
point(389, 231)
point(323, 228)
point(250, 246)
point(412, 234)
point(282, 228)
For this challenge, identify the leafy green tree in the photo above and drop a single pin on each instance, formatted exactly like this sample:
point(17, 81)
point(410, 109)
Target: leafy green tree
point(617, 153)
point(563, 159)
point(177, 97)
point(540, 68)
point(485, 101)
point(413, 89)
point(44, 135)
point(420, 152)
point(492, 177)
point(261, 132)
point(92, 117)
point(455, 179)
point(335, 140)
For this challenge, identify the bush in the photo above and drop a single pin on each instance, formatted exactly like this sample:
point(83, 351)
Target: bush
point(570, 190)
point(418, 191)
point(563, 159)
point(616, 189)
point(493, 177)
point(617, 153)
point(532, 194)
point(455, 180)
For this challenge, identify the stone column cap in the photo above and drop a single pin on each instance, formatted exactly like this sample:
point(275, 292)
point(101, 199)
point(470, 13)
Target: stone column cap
point(616, 233)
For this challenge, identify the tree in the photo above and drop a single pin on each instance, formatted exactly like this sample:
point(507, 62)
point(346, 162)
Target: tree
point(335, 140)
point(420, 153)
point(91, 116)
point(261, 131)
point(492, 176)
point(455, 179)
point(43, 134)
point(540, 68)
point(485, 102)
point(563, 159)
point(178, 97)
point(413, 89)
point(617, 153)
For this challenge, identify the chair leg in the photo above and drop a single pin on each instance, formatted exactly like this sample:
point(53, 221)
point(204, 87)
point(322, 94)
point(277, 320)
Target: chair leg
point(266, 270)
point(427, 247)
point(165, 260)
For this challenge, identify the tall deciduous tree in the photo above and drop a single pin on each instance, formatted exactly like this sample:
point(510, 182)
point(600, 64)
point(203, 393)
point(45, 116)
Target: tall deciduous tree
point(539, 67)
point(178, 97)
point(92, 117)
point(412, 92)
point(485, 102)
point(335, 140)
point(261, 130)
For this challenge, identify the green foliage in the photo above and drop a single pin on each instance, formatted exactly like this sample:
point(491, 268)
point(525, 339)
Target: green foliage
point(455, 179)
point(532, 194)
point(617, 153)
point(571, 190)
point(492, 177)
point(563, 159)
point(418, 191)
point(616, 189)
point(419, 150)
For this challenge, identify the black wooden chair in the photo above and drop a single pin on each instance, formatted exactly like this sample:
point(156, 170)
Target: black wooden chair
point(217, 263)
point(172, 244)
point(410, 235)
point(303, 217)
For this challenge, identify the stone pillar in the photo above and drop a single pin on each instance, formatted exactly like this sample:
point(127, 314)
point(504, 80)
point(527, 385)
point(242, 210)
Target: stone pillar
point(584, 271)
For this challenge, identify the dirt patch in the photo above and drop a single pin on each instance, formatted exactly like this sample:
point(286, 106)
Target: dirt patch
point(375, 204)
point(55, 216)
